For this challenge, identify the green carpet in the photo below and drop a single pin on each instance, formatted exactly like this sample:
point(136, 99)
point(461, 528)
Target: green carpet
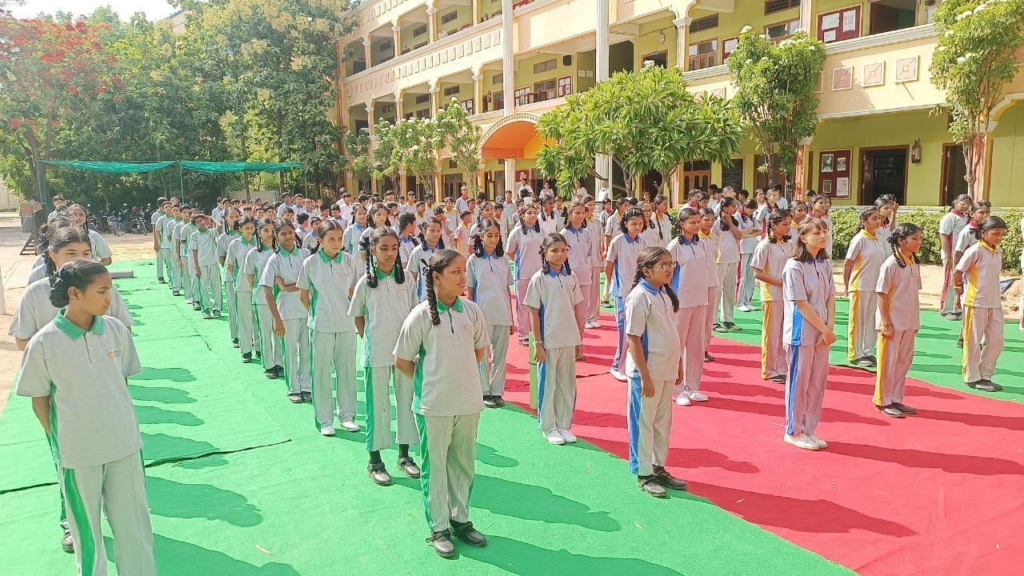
point(937, 360)
point(306, 507)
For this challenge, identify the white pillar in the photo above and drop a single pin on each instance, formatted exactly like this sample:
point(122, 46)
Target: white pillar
point(682, 52)
point(510, 175)
point(508, 68)
point(602, 162)
point(367, 45)
point(478, 93)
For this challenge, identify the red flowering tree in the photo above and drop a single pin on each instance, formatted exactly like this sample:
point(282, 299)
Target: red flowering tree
point(48, 69)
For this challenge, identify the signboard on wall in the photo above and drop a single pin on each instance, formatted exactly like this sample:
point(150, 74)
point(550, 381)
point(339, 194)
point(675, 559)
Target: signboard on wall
point(834, 167)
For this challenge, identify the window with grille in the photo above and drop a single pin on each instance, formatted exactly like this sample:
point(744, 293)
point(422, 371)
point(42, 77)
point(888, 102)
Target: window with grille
point(423, 113)
point(782, 30)
point(564, 86)
point(498, 98)
point(728, 46)
point(419, 30)
point(545, 66)
point(773, 6)
point(545, 90)
point(451, 90)
point(450, 17)
point(423, 98)
point(705, 23)
point(498, 79)
point(385, 46)
point(467, 105)
point(703, 55)
point(522, 96)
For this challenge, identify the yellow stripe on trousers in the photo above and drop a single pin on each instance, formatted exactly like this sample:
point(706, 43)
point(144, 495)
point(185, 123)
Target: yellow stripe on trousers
point(851, 332)
point(766, 307)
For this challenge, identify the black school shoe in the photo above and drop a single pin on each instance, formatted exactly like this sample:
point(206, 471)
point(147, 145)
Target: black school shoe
point(408, 465)
point(279, 370)
point(489, 402)
point(499, 402)
point(732, 327)
point(890, 411)
point(464, 531)
point(667, 480)
point(307, 397)
point(442, 543)
point(247, 358)
point(708, 357)
point(651, 485)
point(904, 408)
point(778, 378)
point(960, 342)
point(161, 280)
point(234, 342)
point(270, 373)
point(985, 386)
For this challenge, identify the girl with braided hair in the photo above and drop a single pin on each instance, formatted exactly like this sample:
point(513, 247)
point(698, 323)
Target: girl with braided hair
point(689, 282)
point(898, 285)
point(449, 336)
point(325, 284)
point(620, 267)
point(267, 346)
point(430, 242)
point(653, 363)
point(407, 235)
point(581, 253)
point(769, 259)
point(557, 313)
point(75, 370)
point(523, 248)
point(278, 290)
point(234, 262)
point(983, 309)
point(487, 279)
point(380, 303)
point(861, 268)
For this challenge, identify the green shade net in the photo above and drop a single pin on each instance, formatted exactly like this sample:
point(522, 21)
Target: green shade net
point(194, 166)
point(112, 167)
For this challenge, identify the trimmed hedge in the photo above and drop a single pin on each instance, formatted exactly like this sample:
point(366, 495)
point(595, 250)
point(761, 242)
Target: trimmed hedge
point(844, 223)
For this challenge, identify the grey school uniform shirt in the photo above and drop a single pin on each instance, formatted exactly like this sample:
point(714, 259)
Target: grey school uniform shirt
point(84, 373)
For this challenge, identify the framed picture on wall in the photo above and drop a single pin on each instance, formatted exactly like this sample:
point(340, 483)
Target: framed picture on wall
point(841, 164)
point(827, 163)
point(826, 187)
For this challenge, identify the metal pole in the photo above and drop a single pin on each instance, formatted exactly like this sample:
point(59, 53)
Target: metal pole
point(181, 182)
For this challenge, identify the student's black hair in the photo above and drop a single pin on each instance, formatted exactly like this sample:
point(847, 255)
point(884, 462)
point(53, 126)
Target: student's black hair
point(59, 238)
point(243, 221)
point(800, 252)
point(815, 200)
point(327, 225)
point(302, 218)
point(261, 224)
point(633, 212)
point(726, 202)
point(224, 225)
point(774, 218)
point(863, 216)
point(373, 210)
point(549, 241)
point(438, 262)
point(750, 205)
point(960, 198)
point(480, 211)
point(900, 234)
point(544, 199)
point(581, 203)
point(646, 260)
point(196, 217)
point(77, 274)
point(683, 215)
point(980, 205)
point(406, 219)
point(478, 239)
point(370, 241)
point(522, 220)
point(428, 222)
point(990, 223)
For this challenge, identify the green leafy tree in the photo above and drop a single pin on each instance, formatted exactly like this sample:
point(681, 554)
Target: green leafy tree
point(359, 155)
point(461, 139)
point(561, 162)
point(976, 57)
point(646, 120)
point(775, 95)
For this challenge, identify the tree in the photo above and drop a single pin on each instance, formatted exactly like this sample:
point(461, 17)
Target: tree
point(775, 94)
point(976, 57)
point(646, 120)
point(359, 155)
point(412, 146)
point(48, 69)
point(461, 138)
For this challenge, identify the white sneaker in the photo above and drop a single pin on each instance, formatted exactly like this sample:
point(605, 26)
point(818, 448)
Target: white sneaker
point(744, 308)
point(350, 426)
point(800, 441)
point(618, 375)
point(821, 443)
point(554, 437)
point(593, 324)
point(589, 325)
point(327, 430)
point(682, 400)
point(698, 397)
point(569, 437)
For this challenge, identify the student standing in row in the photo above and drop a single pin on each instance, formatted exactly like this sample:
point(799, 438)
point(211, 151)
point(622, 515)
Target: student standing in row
point(967, 238)
point(487, 279)
point(430, 242)
point(769, 260)
point(863, 262)
point(653, 363)
point(620, 266)
point(596, 232)
point(448, 335)
point(234, 263)
point(354, 232)
point(165, 227)
point(899, 312)
point(290, 317)
point(524, 250)
point(75, 370)
point(556, 317)
point(689, 282)
point(229, 231)
point(949, 228)
point(202, 245)
point(750, 234)
point(977, 280)
point(380, 303)
point(809, 292)
point(326, 281)
point(580, 254)
point(709, 240)
point(268, 346)
point(407, 235)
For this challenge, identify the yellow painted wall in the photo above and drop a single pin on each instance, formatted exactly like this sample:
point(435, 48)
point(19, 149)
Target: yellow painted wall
point(1008, 159)
point(647, 42)
point(827, 6)
point(411, 107)
point(464, 16)
point(746, 13)
point(525, 77)
point(409, 41)
point(897, 129)
point(490, 7)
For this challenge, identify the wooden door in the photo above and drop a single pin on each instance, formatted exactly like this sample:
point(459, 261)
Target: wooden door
point(953, 171)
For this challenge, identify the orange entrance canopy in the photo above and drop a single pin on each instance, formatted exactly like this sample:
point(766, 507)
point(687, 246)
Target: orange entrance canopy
point(513, 140)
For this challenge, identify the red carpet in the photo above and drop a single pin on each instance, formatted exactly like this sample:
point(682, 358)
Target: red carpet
point(942, 492)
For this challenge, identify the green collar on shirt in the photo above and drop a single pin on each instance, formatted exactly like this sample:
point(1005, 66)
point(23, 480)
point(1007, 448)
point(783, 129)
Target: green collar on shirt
point(382, 275)
point(292, 253)
point(72, 330)
point(457, 306)
point(337, 257)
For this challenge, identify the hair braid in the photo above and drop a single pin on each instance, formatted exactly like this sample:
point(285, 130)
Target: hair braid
point(672, 296)
point(428, 282)
point(371, 273)
point(399, 269)
point(478, 244)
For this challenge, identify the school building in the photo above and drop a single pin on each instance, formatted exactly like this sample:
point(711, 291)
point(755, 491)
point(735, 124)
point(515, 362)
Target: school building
point(508, 62)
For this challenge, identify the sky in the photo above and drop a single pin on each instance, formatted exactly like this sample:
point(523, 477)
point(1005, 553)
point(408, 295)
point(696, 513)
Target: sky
point(154, 9)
